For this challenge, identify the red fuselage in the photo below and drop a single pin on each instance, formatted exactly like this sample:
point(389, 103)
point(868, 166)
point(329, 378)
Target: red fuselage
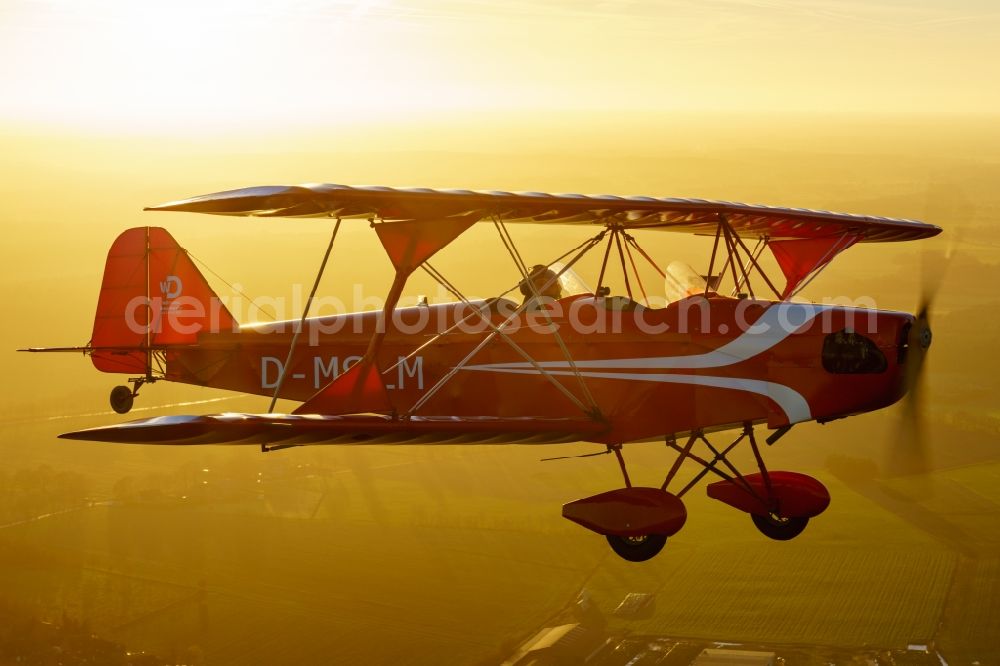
point(695, 364)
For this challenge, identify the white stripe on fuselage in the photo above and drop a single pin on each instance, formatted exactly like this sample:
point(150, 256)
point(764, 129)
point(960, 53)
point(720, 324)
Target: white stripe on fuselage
point(791, 402)
point(778, 322)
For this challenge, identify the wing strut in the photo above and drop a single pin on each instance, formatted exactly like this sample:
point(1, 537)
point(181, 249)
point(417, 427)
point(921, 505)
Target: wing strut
point(408, 244)
point(734, 247)
point(302, 321)
point(625, 242)
point(762, 242)
point(734, 260)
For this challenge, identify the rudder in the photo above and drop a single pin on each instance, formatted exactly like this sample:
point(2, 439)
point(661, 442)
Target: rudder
point(152, 296)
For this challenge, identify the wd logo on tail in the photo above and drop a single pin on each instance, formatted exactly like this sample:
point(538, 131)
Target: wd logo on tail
point(171, 287)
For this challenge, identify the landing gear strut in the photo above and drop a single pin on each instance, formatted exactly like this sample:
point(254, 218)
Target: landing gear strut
point(637, 521)
point(779, 503)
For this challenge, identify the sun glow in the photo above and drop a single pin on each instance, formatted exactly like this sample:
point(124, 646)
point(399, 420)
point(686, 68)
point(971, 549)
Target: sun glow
point(271, 65)
point(162, 65)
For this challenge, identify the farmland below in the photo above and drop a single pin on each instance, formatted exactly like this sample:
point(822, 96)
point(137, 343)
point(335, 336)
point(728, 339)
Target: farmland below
point(238, 563)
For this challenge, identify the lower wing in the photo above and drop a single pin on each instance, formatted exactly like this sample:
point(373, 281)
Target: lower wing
point(296, 430)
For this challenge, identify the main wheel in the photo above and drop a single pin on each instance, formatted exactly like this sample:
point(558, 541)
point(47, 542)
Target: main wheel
point(637, 548)
point(122, 399)
point(778, 528)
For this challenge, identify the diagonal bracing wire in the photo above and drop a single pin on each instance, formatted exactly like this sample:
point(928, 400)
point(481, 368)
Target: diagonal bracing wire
point(515, 255)
point(754, 255)
point(635, 271)
point(584, 247)
point(581, 250)
point(634, 243)
point(233, 287)
point(503, 336)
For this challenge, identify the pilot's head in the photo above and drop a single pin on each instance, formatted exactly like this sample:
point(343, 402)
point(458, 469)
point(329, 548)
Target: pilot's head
point(544, 281)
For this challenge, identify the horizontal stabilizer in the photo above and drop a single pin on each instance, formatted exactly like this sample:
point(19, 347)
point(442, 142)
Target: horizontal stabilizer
point(89, 349)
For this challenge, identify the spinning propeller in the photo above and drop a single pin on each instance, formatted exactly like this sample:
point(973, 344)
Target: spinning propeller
point(909, 452)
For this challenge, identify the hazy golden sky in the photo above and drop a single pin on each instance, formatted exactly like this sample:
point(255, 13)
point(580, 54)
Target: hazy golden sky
point(275, 64)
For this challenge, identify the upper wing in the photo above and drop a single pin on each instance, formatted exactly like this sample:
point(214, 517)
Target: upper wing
point(289, 429)
point(695, 216)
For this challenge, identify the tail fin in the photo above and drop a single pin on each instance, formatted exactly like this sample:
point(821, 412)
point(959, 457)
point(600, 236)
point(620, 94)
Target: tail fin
point(152, 296)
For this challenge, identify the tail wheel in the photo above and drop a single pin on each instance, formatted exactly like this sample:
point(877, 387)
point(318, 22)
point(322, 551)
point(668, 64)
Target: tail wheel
point(779, 528)
point(637, 548)
point(122, 399)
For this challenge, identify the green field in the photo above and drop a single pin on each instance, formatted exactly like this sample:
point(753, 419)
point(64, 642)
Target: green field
point(441, 552)
point(251, 590)
point(810, 595)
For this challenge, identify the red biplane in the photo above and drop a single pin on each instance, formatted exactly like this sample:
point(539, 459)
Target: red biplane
point(557, 363)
